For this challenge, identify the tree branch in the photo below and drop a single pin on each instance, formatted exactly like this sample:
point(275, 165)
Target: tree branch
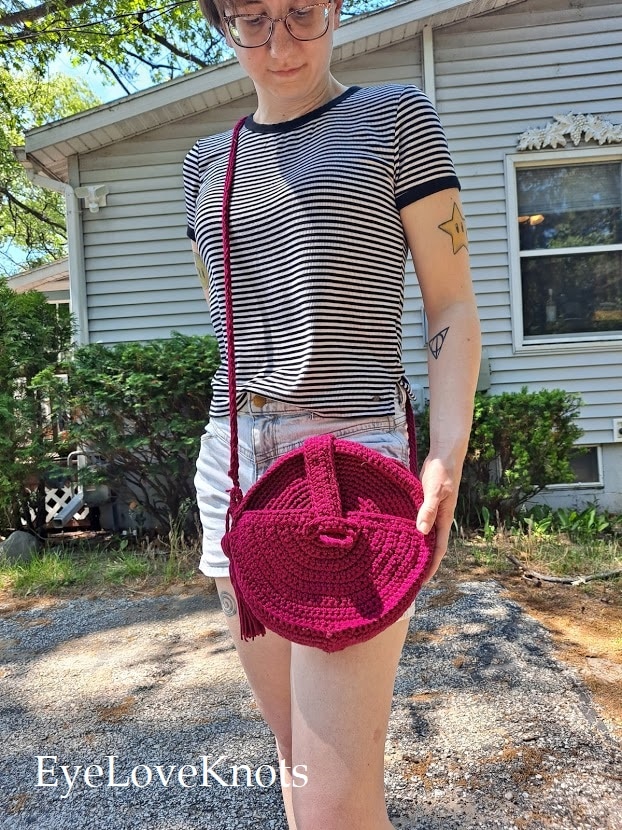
point(59, 6)
point(167, 44)
point(37, 12)
point(13, 200)
point(532, 576)
point(146, 61)
point(110, 69)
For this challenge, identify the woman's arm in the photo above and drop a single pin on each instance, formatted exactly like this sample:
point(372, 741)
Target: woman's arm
point(436, 235)
point(201, 270)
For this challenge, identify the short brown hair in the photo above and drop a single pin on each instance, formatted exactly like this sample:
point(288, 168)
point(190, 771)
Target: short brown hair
point(213, 12)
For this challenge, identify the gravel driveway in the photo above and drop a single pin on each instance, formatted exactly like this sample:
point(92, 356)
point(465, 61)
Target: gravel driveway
point(126, 714)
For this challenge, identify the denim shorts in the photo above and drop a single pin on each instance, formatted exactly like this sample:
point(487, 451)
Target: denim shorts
point(267, 430)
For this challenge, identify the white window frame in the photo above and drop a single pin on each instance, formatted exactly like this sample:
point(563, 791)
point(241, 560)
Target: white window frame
point(585, 485)
point(569, 342)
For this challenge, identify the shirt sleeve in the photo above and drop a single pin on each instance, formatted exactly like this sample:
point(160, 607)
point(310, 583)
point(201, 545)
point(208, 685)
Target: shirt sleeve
point(423, 162)
point(192, 181)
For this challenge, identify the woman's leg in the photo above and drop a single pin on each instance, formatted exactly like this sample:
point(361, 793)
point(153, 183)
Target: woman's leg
point(266, 662)
point(329, 714)
point(340, 711)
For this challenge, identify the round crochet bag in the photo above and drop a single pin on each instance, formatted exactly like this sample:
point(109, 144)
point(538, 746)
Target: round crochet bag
point(323, 549)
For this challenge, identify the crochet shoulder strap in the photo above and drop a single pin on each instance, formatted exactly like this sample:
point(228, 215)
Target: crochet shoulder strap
point(234, 466)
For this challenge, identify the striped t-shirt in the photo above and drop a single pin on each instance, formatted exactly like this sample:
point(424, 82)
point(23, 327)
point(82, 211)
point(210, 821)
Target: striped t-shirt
point(318, 251)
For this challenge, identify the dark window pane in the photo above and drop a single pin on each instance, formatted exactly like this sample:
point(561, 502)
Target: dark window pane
point(62, 309)
point(585, 466)
point(570, 206)
point(572, 294)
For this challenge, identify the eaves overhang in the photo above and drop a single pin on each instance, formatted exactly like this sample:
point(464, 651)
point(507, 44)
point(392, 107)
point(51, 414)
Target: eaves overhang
point(48, 147)
point(54, 276)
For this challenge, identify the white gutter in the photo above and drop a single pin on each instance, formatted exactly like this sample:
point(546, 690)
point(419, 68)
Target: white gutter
point(77, 280)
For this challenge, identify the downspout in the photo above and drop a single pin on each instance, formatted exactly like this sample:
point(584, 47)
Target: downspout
point(77, 278)
point(429, 70)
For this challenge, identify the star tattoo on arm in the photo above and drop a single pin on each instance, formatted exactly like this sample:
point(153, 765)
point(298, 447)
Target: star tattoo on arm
point(436, 342)
point(456, 228)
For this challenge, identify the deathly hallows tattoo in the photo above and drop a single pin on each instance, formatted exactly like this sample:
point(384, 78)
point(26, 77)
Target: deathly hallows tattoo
point(456, 228)
point(436, 343)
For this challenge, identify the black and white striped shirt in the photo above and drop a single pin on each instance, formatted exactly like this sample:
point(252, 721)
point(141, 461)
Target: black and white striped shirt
point(318, 251)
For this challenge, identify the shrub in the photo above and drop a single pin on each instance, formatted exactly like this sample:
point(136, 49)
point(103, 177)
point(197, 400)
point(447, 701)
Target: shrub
point(141, 407)
point(520, 442)
point(32, 335)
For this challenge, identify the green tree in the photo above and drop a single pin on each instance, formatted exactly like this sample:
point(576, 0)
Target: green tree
point(32, 220)
point(124, 41)
point(167, 37)
point(32, 337)
point(520, 442)
point(140, 407)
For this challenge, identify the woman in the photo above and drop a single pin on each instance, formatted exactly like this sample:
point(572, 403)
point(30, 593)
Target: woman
point(332, 185)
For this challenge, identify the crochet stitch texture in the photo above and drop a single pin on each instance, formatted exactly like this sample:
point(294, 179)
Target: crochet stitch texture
point(324, 548)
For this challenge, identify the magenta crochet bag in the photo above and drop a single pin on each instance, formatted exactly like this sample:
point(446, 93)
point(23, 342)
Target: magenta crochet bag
point(324, 548)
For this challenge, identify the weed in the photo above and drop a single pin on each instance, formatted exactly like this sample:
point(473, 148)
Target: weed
point(46, 573)
point(579, 525)
point(126, 567)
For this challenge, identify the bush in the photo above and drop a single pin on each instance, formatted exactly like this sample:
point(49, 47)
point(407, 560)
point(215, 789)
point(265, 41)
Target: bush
point(141, 408)
point(32, 336)
point(520, 442)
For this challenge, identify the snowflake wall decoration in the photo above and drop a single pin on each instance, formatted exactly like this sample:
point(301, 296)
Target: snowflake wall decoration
point(577, 127)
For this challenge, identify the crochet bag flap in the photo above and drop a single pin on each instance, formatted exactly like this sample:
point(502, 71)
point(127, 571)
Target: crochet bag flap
point(324, 548)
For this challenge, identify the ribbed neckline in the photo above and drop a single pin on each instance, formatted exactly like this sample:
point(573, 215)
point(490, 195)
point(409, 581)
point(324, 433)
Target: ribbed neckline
point(288, 126)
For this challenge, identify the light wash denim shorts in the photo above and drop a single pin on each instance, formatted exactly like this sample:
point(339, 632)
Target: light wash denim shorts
point(267, 430)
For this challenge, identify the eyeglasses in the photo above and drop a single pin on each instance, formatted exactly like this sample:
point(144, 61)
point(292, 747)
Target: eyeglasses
point(304, 23)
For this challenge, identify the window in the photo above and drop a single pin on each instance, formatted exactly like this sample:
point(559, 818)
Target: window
point(586, 465)
point(568, 249)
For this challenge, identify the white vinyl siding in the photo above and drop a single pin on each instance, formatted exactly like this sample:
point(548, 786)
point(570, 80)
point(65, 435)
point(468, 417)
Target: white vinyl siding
point(498, 75)
point(140, 277)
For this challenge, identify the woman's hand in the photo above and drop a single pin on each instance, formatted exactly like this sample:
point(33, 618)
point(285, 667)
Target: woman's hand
point(440, 492)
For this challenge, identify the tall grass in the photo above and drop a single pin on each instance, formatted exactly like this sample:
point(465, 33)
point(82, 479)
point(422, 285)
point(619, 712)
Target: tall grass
point(84, 568)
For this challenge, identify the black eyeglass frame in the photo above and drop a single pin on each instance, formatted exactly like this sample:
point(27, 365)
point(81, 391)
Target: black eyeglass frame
point(230, 21)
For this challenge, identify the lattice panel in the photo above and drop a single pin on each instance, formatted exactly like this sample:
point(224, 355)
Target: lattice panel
point(58, 497)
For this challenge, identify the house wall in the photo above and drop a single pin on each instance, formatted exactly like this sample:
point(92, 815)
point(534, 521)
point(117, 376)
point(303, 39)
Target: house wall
point(496, 76)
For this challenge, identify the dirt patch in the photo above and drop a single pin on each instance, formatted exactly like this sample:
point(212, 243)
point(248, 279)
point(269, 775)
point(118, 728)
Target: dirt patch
point(585, 622)
point(117, 712)
point(587, 630)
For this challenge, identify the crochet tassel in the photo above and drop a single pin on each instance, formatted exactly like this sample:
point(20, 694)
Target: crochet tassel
point(250, 627)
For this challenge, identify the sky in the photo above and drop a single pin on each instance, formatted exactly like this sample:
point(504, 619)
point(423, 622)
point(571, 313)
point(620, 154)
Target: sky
point(105, 91)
